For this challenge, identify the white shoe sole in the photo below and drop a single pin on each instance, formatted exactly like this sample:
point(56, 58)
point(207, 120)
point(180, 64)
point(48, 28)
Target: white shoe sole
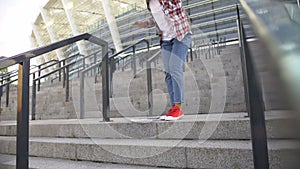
point(170, 118)
point(162, 117)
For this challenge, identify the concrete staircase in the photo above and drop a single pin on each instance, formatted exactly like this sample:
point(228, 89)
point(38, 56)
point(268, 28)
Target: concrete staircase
point(214, 133)
point(195, 141)
point(212, 85)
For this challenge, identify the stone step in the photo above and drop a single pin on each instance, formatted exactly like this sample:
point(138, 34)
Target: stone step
point(161, 153)
point(9, 162)
point(233, 126)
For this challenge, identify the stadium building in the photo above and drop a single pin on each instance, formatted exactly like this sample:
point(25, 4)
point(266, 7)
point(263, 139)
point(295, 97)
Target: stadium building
point(112, 21)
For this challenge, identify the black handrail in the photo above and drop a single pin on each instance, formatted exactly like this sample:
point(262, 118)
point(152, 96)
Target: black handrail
point(16, 71)
point(254, 103)
point(112, 50)
point(252, 88)
point(3, 78)
point(23, 59)
point(7, 84)
point(114, 61)
point(63, 62)
point(3, 75)
point(45, 63)
point(149, 81)
point(66, 79)
point(106, 79)
point(48, 48)
point(40, 69)
point(275, 36)
point(9, 81)
point(33, 102)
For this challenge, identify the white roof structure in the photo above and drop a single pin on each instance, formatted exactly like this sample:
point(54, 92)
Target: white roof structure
point(60, 19)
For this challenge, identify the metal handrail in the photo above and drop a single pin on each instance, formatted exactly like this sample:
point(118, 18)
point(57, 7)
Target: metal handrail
point(66, 78)
point(149, 81)
point(106, 79)
point(8, 73)
point(48, 66)
point(40, 69)
point(129, 47)
point(217, 21)
point(282, 43)
point(42, 64)
point(19, 58)
point(202, 3)
point(254, 101)
point(23, 59)
point(9, 81)
point(217, 10)
point(33, 102)
point(16, 71)
point(112, 50)
point(63, 62)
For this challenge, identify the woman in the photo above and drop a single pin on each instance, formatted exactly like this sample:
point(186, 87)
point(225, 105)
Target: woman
point(175, 32)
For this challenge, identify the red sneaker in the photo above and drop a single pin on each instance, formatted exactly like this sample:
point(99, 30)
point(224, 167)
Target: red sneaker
point(168, 114)
point(174, 114)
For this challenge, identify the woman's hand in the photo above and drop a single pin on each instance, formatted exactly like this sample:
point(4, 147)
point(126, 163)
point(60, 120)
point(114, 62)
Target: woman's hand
point(140, 24)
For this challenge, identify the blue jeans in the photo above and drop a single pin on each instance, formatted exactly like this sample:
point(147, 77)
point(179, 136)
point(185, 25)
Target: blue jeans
point(174, 54)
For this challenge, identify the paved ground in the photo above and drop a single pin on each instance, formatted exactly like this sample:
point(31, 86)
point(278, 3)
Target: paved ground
point(8, 162)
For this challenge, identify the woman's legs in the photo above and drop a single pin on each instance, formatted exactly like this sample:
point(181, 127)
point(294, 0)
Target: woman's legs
point(174, 55)
point(166, 52)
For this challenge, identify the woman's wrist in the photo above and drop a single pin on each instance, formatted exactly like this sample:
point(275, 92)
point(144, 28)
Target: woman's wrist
point(140, 24)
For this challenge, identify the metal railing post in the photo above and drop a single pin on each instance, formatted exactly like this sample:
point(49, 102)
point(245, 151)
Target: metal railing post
point(149, 87)
point(23, 115)
point(7, 92)
point(111, 73)
point(81, 94)
point(149, 82)
point(106, 73)
point(134, 62)
point(1, 93)
point(105, 83)
point(23, 59)
point(123, 65)
point(83, 63)
point(95, 77)
point(64, 74)
point(33, 100)
point(67, 83)
point(59, 73)
point(39, 81)
point(191, 52)
point(95, 60)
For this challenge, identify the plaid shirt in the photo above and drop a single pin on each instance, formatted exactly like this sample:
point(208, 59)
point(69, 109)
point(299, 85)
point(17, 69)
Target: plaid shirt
point(174, 10)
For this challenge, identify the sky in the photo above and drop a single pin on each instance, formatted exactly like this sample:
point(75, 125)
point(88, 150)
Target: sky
point(16, 19)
